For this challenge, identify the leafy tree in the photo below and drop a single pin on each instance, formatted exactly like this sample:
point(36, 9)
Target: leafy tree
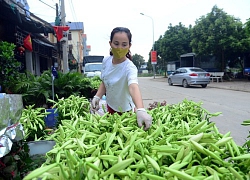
point(247, 28)
point(175, 42)
point(246, 40)
point(218, 34)
point(172, 44)
point(138, 60)
point(240, 49)
point(9, 66)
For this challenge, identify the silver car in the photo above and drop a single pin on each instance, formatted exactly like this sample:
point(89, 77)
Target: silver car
point(187, 76)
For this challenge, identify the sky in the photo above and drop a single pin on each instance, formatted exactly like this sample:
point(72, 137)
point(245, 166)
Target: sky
point(101, 16)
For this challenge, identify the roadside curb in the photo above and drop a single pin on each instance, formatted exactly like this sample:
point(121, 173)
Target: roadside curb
point(243, 86)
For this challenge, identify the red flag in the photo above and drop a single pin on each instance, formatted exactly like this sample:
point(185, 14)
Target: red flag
point(27, 43)
point(59, 31)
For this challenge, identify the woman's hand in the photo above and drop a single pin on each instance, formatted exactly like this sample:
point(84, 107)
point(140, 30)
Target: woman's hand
point(143, 118)
point(95, 103)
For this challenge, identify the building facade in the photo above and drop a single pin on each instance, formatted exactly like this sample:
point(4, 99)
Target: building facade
point(17, 24)
point(86, 48)
point(75, 45)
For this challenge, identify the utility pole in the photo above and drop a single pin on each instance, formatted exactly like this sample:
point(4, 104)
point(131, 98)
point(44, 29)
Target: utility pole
point(65, 40)
point(57, 23)
point(57, 14)
point(78, 57)
point(153, 63)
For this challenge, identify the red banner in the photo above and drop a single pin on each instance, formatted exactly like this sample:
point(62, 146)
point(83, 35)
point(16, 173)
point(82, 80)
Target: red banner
point(59, 31)
point(27, 43)
point(153, 57)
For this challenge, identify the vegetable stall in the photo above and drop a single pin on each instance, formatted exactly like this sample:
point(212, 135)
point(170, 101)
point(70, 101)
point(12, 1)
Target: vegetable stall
point(181, 144)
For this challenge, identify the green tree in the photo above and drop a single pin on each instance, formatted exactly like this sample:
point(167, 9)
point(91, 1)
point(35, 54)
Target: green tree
point(246, 40)
point(138, 60)
point(172, 44)
point(9, 66)
point(218, 34)
point(240, 48)
point(247, 28)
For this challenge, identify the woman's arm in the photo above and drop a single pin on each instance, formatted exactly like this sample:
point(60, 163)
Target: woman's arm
point(143, 118)
point(136, 95)
point(96, 99)
point(101, 90)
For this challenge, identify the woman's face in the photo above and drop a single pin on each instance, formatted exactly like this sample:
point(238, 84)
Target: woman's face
point(120, 40)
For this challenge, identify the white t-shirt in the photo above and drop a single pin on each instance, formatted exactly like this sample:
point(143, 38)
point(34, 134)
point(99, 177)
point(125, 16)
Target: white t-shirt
point(116, 79)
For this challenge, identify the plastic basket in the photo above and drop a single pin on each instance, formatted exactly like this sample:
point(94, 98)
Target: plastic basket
point(40, 147)
point(51, 119)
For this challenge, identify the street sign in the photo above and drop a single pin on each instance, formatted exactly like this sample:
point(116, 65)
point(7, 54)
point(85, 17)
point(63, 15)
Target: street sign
point(153, 57)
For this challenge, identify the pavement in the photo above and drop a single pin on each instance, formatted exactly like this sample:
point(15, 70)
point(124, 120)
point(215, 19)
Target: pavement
point(234, 84)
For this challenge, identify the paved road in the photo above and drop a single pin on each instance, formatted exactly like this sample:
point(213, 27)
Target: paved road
point(230, 98)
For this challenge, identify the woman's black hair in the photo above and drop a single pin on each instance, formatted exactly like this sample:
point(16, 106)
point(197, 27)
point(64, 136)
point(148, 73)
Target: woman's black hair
point(127, 31)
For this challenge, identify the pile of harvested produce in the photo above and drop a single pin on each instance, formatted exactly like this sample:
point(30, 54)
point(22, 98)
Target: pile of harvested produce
point(181, 144)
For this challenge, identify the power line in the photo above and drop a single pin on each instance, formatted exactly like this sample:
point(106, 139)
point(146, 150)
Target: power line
point(47, 4)
point(73, 13)
point(75, 47)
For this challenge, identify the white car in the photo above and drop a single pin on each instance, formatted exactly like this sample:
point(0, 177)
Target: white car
point(93, 69)
point(187, 76)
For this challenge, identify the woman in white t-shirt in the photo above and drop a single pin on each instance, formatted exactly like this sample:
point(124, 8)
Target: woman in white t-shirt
point(119, 79)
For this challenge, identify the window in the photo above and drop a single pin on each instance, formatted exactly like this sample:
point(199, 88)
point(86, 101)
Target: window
point(197, 70)
point(183, 71)
point(177, 71)
point(93, 67)
point(69, 36)
point(70, 48)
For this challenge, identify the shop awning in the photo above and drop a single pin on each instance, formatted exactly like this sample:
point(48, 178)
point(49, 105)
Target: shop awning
point(43, 43)
point(33, 24)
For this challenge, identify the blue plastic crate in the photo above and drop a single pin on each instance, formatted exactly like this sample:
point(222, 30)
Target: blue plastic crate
point(51, 119)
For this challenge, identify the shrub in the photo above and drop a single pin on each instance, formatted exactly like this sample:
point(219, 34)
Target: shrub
point(36, 90)
point(9, 66)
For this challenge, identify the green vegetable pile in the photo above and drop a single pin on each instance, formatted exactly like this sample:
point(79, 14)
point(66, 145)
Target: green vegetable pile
point(33, 123)
point(181, 144)
point(70, 107)
point(247, 143)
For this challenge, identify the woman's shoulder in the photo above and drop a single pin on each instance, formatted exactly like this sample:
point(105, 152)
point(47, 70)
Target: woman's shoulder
point(106, 58)
point(130, 66)
point(130, 63)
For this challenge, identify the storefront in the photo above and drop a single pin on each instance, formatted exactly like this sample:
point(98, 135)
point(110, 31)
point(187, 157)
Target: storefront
point(29, 34)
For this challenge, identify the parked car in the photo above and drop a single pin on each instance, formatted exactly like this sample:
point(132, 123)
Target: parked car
point(187, 76)
point(93, 69)
point(247, 73)
point(92, 65)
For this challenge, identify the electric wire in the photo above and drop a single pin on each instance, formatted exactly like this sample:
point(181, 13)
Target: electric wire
point(74, 14)
point(47, 4)
point(44, 15)
point(77, 27)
